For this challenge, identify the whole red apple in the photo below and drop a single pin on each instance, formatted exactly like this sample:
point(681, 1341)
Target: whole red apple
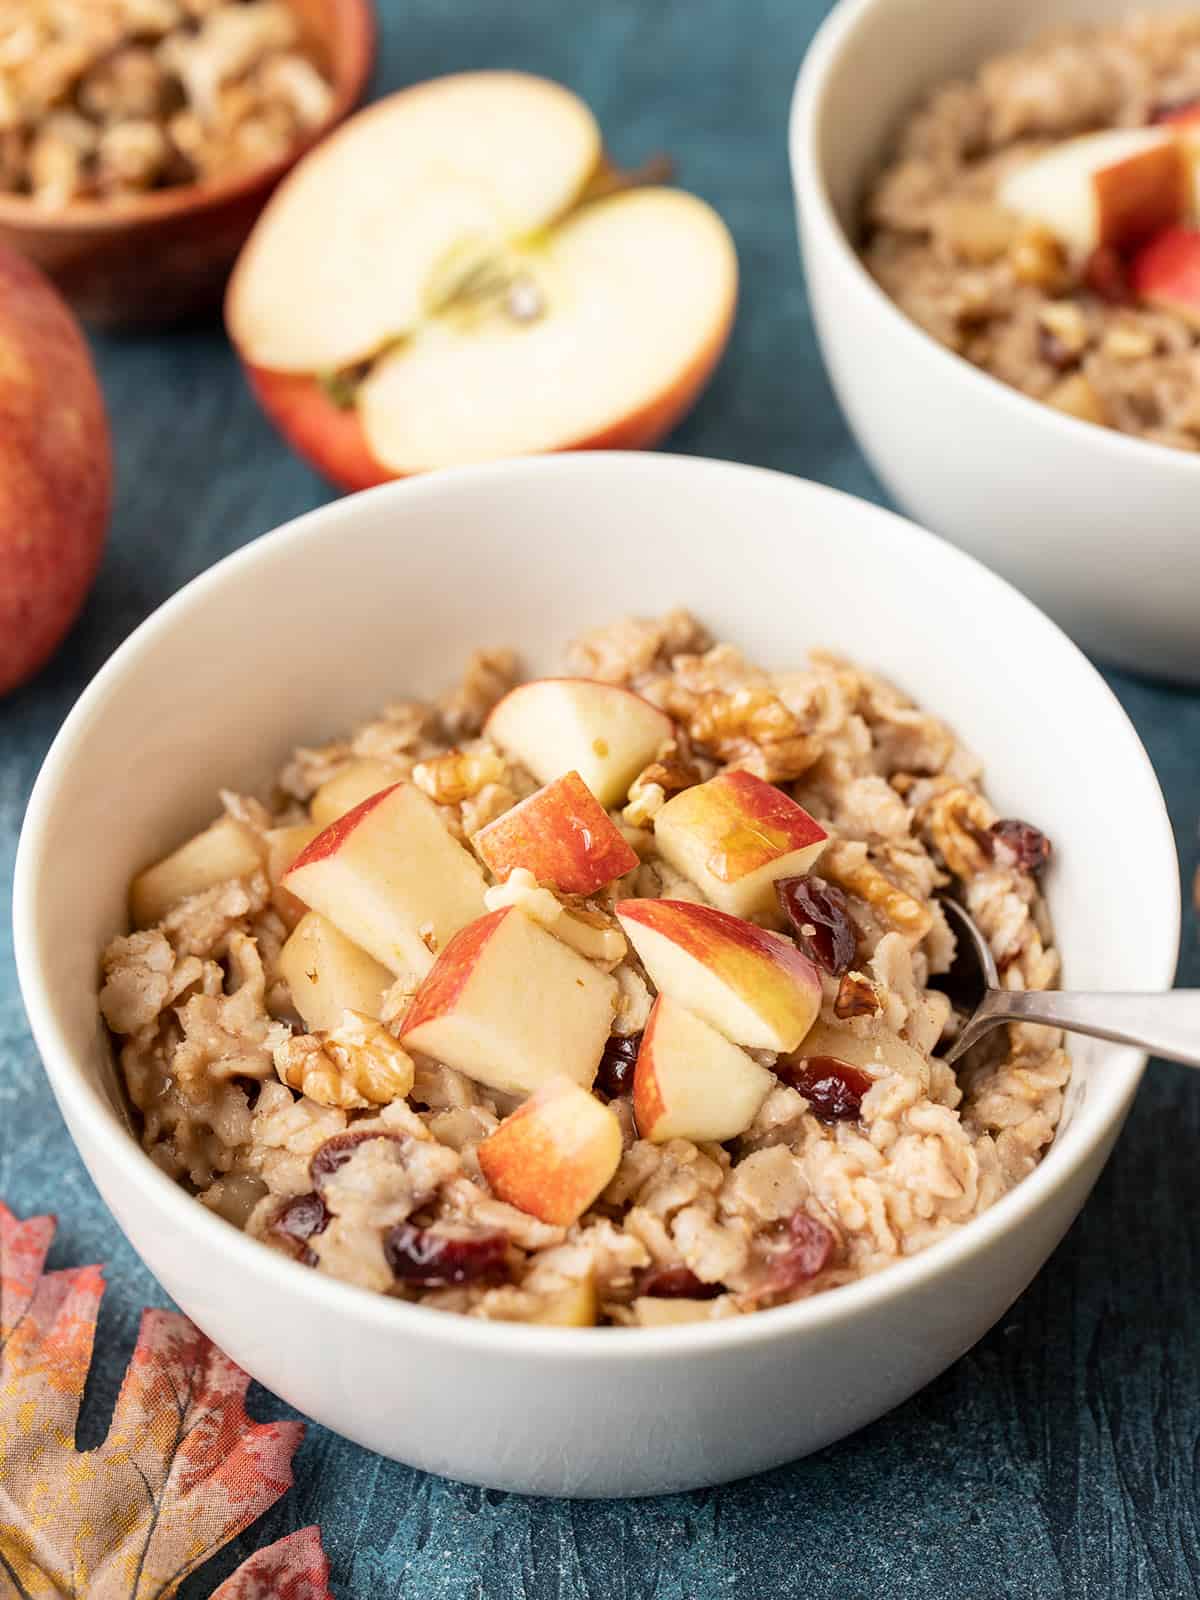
point(55, 470)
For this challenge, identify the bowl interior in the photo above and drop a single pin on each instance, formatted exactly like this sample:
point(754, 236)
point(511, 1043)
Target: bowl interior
point(385, 594)
point(877, 58)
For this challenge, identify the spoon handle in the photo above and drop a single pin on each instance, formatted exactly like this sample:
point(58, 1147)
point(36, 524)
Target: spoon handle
point(1163, 1024)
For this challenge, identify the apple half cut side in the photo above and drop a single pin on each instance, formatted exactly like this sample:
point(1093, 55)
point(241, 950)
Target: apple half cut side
point(434, 285)
point(1110, 188)
point(752, 985)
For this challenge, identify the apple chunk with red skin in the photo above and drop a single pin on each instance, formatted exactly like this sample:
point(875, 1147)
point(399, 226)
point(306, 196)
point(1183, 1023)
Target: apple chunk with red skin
point(752, 985)
point(690, 1082)
point(511, 1006)
point(605, 733)
point(391, 877)
point(734, 836)
point(449, 246)
point(1165, 273)
point(1111, 188)
point(555, 1154)
point(563, 835)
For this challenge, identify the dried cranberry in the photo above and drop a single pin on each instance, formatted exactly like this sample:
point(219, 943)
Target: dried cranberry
point(427, 1259)
point(1019, 844)
point(1105, 274)
point(674, 1283)
point(614, 1075)
point(821, 920)
point(810, 1248)
point(1055, 352)
point(297, 1221)
point(335, 1152)
point(834, 1089)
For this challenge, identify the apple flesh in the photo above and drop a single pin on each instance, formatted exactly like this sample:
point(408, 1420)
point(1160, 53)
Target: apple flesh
point(348, 788)
point(872, 1052)
point(555, 1154)
point(55, 470)
point(604, 733)
point(328, 975)
point(511, 1006)
point(283, 845)
point(574, 1306)
point(223, 851)
point(752, 985)
point(414, 254)
point(733, 837)
point(563, 835)
point(690, 1082)
point(1112, 188)
point(391, 877)
point(1165, 273)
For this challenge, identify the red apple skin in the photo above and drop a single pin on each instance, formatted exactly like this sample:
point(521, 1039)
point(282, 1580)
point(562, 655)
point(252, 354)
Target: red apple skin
point(563, 835)
point(55, 470)
point(333, 441)
point(705, 932)
point(1166, 272)
point(451, 971)
point(1141, 194)
point(331, 839)
point(525, 1167)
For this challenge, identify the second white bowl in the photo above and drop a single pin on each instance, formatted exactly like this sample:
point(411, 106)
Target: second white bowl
point(1101, 529)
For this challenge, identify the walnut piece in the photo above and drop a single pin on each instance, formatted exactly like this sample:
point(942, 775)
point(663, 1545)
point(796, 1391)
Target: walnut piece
point(356, 1065)
point(458, 775)
point(846, 864)
point(751, 728)
point(956, 820)
point(857, 996)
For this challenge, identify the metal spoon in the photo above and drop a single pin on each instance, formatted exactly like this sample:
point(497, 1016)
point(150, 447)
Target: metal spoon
point(1163, 1024)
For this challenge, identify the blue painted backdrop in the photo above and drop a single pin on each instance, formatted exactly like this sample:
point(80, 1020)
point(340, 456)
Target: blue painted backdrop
point(1060, 1457)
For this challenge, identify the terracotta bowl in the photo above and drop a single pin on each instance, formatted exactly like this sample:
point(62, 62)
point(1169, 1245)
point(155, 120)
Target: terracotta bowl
point(166, 255)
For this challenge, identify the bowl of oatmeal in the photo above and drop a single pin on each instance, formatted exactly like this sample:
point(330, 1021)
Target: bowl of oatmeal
point(531, 993)
point(998, 227)
point(139, 139)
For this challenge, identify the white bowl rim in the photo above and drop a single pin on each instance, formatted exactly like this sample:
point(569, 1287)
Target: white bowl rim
point(808, 178)
point(192, 1221)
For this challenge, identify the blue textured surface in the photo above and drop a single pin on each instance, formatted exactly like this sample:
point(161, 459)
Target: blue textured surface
point(1060, 1457)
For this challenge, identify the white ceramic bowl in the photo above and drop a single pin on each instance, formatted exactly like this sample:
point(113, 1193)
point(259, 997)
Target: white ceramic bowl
point(385, 593)
point(1099, 528)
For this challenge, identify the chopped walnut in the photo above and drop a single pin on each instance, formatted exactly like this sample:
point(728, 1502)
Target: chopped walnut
point(458, 775)
point(848, 865)
point(672, 772)
point(751, 728)
point(358, 1064)
point(956, 821)
point(857, 996)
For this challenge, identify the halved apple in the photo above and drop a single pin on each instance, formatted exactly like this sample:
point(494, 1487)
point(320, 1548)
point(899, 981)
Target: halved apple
point(1165, 272)
point(349, 788)
point(223, 851)
point(328, 975)
point(734, 836)
point(391, 877)
point(434, 284)
point(512, 1007)
point(563, 835)
point(555, 1154)
point(752, 985)
point(1110, 188)
point(605, 733)
point(690, 1082)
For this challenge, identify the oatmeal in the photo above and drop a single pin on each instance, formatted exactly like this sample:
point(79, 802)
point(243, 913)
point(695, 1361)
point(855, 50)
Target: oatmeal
point(106, 99)
point(607, 999)
point(1041, 219)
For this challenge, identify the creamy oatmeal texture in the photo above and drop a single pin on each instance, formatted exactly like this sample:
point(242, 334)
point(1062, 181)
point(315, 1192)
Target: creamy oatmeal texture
point(1104, 328)
point(340, 1142)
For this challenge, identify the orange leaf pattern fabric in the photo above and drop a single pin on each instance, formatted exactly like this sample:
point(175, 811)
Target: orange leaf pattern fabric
point(182, 1471)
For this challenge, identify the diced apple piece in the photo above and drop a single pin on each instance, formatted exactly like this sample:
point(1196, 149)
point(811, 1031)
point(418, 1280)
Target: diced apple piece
point(223, 851)
point(392, 878)
point(509, 1005)
point(603, 732)
point(654, 1313)
point(734, 836)
point(563, 835)
point(752, 985)
point(328, 975)
point(349, 788)
point(575, 1306)
point(690, 1082)
point(555, 1154)
point(283, 846)
point(1110, 188)
point(872, 1052)
point(1165, 272)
